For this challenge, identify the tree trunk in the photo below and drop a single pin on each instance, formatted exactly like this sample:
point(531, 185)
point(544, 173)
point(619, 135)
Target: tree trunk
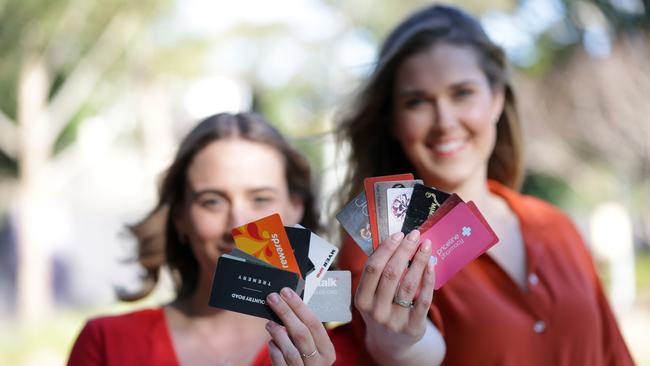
point(34, 273)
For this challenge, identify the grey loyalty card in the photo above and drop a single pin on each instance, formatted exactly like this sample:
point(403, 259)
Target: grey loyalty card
point(354, 219)
point(332, 299)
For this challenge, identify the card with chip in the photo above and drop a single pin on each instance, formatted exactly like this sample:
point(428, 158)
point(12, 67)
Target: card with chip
point(332, 299)
point(381, 207)
point(242, 287)
point(369, 188)
point(267, 240)
point(457, 238)
point(354, 219)
point(424, 202)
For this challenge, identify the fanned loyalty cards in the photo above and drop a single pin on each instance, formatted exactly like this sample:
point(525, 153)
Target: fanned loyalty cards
point(458, 231)
point(268, 257)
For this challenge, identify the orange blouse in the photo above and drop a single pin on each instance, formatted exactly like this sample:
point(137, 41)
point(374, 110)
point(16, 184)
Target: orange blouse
point(486, 319)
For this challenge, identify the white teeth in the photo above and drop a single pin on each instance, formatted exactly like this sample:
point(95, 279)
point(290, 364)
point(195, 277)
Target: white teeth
point(449, 146)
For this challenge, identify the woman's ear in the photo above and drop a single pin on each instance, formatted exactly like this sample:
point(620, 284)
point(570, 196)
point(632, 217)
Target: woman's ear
point(296, 210)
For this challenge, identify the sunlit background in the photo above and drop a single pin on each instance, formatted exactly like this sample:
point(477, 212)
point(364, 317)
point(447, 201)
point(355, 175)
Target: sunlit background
point(95, 95)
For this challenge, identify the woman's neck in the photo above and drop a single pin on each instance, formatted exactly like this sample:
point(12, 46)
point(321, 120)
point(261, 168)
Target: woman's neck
point(196, 304)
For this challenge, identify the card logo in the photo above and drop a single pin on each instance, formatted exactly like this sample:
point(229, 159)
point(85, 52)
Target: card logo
point(250, 279)
point(399, 206)
point(329, 282)
point(325, 264)
point(467, 231)
point(434, 205)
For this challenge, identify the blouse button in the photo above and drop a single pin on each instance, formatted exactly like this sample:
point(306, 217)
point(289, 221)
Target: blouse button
point(533, 279)
point(539, 326)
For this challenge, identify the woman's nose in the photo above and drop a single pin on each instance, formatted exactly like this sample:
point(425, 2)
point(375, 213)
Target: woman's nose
point(239, 215)
point(445, 117)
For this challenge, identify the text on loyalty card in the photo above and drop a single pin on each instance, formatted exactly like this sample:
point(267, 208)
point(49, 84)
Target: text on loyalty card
point(327, 261)
point(453, 243)
point(278, 248)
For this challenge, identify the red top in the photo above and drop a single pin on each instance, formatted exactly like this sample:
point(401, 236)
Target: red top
point(486, 319)
point(143, 338)
point(137, 338)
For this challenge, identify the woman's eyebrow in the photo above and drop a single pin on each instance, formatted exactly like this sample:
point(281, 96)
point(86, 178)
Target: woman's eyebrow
point(262, 189)
point(200, 192)
point(410, 92)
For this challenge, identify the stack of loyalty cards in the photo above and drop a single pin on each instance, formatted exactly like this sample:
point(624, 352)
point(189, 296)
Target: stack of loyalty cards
point(458, 231)
point(268, 257)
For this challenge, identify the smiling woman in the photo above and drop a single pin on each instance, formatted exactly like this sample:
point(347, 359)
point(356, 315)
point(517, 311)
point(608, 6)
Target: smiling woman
point(439, 105)
point(229, 170)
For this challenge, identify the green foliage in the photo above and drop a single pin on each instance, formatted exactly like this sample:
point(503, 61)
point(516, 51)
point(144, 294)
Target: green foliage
point(547, 187)
point(8, 166)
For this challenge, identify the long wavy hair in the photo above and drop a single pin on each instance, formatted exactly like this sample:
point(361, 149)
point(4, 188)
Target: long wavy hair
point(366, 123)
point(159, 243)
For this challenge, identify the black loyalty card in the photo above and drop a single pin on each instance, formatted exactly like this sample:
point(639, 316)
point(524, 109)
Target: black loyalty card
point(424, 202)
point(242, 287)
point(299, 239)
point(354, 219)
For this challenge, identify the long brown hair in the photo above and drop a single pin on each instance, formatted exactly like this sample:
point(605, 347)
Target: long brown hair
point(160, 244)
point(367, 123)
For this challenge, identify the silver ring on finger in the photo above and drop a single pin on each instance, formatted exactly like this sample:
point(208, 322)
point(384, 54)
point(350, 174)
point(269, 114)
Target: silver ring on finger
point(309, 355)
point(403, 303)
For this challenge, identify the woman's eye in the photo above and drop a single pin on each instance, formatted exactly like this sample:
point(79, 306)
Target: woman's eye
point(262, 200)
point(413, 102)
point(212, 203)
point(463, 93)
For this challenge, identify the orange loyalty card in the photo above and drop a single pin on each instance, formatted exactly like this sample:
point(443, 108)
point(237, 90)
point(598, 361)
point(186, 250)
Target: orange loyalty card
point(369, 187)
point(266, 240)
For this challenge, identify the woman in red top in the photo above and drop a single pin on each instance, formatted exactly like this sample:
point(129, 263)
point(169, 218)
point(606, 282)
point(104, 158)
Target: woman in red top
point(439, 104)
point(229, 170)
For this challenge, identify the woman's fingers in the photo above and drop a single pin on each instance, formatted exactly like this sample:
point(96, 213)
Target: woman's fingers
point(277, 358)
point(425, 297)
point(299, 332)
point(392, 275)
point(365, 296)
point(281, 339)
point(308, 318)
point(412, 281)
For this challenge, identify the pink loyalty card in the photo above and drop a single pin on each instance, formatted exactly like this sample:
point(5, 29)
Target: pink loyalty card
point(457, 239)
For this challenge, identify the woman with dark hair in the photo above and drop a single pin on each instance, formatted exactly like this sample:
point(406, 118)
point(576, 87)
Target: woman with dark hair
point(229, 170)
point(439, 104)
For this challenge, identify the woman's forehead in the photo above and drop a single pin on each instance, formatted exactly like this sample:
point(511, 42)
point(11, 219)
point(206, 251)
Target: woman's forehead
point(442, 61)
point(237, 163)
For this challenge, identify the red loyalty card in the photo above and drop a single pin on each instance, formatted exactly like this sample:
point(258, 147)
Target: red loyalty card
point(458, 238)
point(447, 206)
point(369, 187)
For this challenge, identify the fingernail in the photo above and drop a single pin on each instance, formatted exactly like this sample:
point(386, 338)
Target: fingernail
point(286, 293)
point(273, 298)
point(397, 236)
point(413, 235)
point(269, 325)
point(433, 260)
point(425, 247)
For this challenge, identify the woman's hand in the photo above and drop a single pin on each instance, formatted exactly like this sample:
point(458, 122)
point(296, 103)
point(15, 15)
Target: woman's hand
point(303, 339)
point(394, 299)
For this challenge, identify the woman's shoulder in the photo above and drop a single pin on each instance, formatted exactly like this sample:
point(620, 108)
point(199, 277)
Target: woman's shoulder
point(138, 318)
point(533, 210)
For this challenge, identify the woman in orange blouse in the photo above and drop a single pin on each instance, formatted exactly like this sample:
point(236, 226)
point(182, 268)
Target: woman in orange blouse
point(439, 104)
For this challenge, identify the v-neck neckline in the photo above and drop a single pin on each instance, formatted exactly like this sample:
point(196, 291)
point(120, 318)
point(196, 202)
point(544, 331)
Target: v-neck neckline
point(509, 198)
